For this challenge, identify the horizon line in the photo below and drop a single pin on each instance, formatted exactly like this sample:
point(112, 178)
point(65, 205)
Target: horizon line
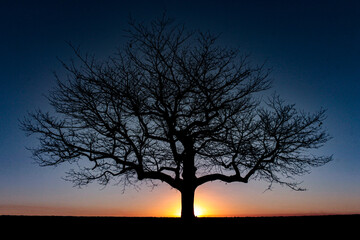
point(177, 217)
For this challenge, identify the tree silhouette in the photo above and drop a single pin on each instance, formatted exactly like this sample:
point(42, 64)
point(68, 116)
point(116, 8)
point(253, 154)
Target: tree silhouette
point(173, 106)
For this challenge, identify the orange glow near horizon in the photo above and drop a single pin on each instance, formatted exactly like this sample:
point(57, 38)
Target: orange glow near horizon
point(205, 205)
point(199, 211)
point(209, 202)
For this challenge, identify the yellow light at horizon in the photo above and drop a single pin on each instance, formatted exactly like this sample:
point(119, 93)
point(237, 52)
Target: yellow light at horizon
point(205, 205)
point(199, 211)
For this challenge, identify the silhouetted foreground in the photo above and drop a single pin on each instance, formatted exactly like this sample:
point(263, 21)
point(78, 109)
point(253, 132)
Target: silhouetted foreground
point(176, 107)
point(345, 226)
point(304, 221)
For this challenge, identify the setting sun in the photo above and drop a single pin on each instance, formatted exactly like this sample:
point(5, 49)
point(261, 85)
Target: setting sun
point(206, 204)
point(199, 211)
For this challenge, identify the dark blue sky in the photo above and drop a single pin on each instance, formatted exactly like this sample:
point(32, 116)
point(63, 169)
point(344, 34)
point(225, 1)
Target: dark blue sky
point(313, 48)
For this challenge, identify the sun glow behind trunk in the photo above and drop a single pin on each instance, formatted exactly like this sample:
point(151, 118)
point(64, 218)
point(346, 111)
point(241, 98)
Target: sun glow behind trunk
point(207, 203)
point(203, 207)
point(199, 211)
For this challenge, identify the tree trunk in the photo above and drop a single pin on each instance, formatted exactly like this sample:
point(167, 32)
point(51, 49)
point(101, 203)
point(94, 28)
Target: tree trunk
point(187, 204)
point(188, 187)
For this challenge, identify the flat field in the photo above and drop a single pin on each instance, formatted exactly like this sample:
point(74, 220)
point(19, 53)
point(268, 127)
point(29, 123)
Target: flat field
point(344, 225)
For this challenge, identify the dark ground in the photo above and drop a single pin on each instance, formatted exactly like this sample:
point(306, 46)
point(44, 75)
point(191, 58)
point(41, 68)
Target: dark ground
point(69, 220)
point(332, 227)
point(289, 220)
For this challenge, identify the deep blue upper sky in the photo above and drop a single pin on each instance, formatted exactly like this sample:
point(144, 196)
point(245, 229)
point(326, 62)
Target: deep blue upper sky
point(313, 48)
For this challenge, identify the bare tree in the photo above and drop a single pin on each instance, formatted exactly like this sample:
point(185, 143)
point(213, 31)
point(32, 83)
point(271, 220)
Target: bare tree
point(174, 106)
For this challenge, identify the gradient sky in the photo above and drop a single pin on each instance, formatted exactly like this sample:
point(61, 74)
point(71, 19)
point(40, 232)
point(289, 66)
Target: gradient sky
point(312, 46)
